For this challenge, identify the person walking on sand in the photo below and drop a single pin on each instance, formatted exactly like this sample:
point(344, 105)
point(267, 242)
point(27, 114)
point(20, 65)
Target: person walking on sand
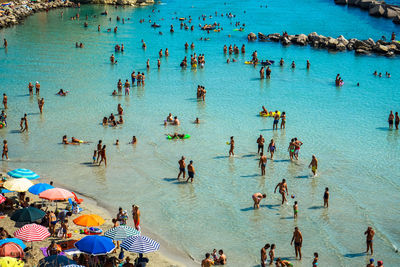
point(370, 237)
point(282, 190)
point(40, 104)
point(264, 255)
point(103, 156)
point(5, 101)
point(191, 171)
point(232, 147)
point(298, 242)
point(262, 163)
point(260, 142)
point(5, 150)
point(257, 197)
point(313, 165)
point(182, 167)
point(326, 197)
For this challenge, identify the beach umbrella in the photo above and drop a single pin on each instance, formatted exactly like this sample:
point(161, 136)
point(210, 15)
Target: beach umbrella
point(18, 185)
point(11, 250)
point(13, 240)
point(4, 191)
point(2, 198)
point(56, 194)
point(55, 260)
point(73, 265)
point(121, 232)
point(95, 245)
point(89, 220)
point(140, 244)
point(29, 214)
point(39, 188)
point(23, 173)
point(32, 232)
point(10, 262)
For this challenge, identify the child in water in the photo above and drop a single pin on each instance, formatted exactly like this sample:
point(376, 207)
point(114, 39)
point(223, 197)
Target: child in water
point(94, 156)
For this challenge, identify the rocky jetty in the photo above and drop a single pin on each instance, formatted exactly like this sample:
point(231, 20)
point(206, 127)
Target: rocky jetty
point(18, 10)
point(340, 43)
point(375, 8)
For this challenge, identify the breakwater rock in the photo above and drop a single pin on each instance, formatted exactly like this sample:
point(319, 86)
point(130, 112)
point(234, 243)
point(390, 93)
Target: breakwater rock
point(340, 43)
point(375, 8)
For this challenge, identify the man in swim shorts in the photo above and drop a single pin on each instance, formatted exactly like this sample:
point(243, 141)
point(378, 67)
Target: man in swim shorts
point(326, 197)
point(191, 171)
point(298, 241)
point(260, 142)
point(313, 165)
point(262, 163)
point(390, 120)
point(370, 237)
point(264, 255)
point(257, 197)
point(182, 166)
point(232, 147)
point(297, 144)
point(282, 190)
point(276, 120)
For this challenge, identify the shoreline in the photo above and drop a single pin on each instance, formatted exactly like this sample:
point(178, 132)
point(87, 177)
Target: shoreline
point(167, 251)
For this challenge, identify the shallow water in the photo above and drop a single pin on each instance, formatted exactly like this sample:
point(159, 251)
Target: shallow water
point(344, 127)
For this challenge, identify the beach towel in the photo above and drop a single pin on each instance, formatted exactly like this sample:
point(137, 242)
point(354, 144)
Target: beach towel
point(44, 251)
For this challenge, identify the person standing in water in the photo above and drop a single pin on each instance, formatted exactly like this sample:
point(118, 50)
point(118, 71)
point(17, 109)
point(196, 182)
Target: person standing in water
point(191, 172)
point(136, 217)
point(298, 241)
point(30, 88)
point(276, 121)
point(260, 142)
point(283, 120)
point(295, 210)
point(282, 190)
point(5, 101)
point(313, 165)
point(326, 197)
point(262, 163)
point(182, 167)
point(308, 64)
point(26, 123)
point(103, 156)
point(5, 150)
point(257, 197)
point(232, 147)
point(370, 237)
point(40, 104)
point(272, 148)
point(37, 86)
point(264, 255)
point(396, 120)
point(390, 120)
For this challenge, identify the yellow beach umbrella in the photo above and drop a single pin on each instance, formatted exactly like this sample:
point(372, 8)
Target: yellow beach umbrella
point(18, 185)
point(10, 262)
point(89, 220)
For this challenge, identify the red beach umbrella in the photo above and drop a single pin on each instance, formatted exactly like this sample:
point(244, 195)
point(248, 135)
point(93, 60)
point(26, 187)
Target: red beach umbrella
point(56, 194)
point(11, 250)
point(32, 232)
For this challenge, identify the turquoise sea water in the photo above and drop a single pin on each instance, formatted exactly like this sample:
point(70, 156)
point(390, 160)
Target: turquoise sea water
point(344, 127)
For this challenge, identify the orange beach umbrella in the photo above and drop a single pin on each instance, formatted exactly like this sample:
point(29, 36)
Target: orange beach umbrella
point(56, 194)
point(89, 220)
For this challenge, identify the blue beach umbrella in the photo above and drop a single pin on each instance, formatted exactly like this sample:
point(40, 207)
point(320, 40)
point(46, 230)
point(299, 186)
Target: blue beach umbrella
point(95, 245)
point(55, 260)
point(13, 240)
point(140, 244)
point(3, 191)
point(39, 188)
point(23, 173)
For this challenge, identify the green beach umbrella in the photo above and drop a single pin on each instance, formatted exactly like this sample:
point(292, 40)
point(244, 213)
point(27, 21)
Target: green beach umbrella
point(29, 214)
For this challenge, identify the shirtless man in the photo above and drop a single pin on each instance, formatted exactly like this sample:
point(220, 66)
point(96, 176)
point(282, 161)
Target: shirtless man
point(370, 237)
point(257, 197)
point(5, 101)
point(298, 241)
point(207, 262)
point(326, 197)
point(112, 59)
point(297, 144)
point(103, 156)
point(264, 255)
point(262, 163)
point(260, 142)
point(222, 257)
point(308, 64)
point(232, 147)
point(390, 120)
point(37, 86)
point(176, 121)
point(371, 263)
point(169, 118)
point(30, 88)
point(182, 166)
point(191, 171)
point(40, 104)
point(313, 165)
point(276, 121)
point(282, 190)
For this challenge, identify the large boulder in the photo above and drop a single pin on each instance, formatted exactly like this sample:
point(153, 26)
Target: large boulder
point(302, 39)
point(341, 2)
point(364, 4)
point(377, 11)
point(251, 36)
point(262, 37)
point(351, 2)
point(381, 49)
point(396, 19)
point(275, 37)
point(370, 42)
point(285, 41)
point(340, 47)
point(390, 12)
point(342, 40)
point(313, 37)
point(362, 51)
point(332, 42)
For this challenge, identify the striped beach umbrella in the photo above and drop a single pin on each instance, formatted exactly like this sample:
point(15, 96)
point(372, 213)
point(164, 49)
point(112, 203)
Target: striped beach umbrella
point(23, 173)
point(39, 188)
point(95, 245)
point(18, 185)
point(121, 232)
point(56, 194)
point(140, 244)
point(32, 232)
